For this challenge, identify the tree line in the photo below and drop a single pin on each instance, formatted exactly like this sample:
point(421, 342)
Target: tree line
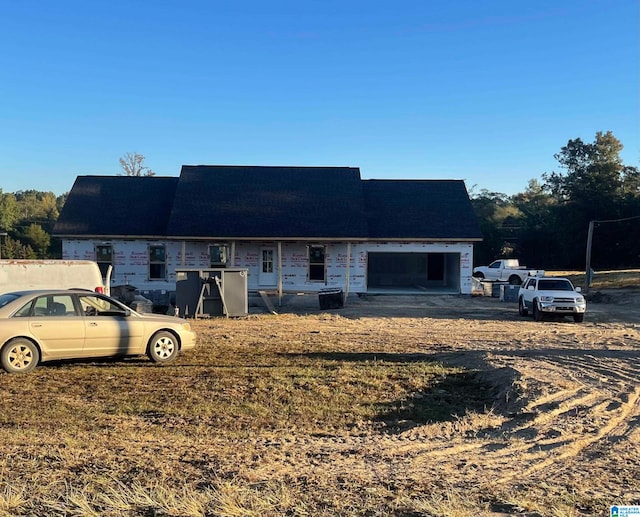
point(27, 217)
point(545, 226)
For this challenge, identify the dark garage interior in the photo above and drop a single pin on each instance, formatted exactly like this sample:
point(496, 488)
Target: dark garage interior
point(426, 272)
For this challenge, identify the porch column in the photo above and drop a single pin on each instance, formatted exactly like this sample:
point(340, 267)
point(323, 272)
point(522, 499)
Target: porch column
point(184, 252)
point(347, 273)
point(233, 253)
point(279, 274)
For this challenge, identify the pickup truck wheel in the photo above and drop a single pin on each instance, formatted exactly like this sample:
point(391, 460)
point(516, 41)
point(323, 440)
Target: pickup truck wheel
point(515, 280)
point(522, 308)
point(578, 318)
point(478, 275)
point(537, 313)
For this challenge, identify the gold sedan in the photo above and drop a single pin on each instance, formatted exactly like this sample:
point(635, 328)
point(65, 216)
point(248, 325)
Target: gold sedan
point(39, 326)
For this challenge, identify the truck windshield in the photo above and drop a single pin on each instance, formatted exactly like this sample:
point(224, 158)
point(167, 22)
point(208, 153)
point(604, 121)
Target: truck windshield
point(554, 285)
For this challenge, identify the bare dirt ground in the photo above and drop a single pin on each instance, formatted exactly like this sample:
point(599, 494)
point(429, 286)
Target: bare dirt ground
point(561, 438)
point(324, 413)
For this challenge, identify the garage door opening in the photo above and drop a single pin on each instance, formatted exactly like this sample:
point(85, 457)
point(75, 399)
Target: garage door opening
point(420, 272)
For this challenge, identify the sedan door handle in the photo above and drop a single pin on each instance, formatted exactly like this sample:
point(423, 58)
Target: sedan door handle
point(93, 324)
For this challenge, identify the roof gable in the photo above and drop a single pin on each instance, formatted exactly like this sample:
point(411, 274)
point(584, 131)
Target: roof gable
point(268, 202)
point(419, 209)
point(117, 205)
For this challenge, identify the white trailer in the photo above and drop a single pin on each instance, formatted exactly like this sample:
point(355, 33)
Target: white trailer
point(24, 275)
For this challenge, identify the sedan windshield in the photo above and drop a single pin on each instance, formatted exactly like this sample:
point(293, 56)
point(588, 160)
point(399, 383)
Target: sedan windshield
point(7, 298)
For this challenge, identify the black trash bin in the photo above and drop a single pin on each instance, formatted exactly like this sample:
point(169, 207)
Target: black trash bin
point(331, 299)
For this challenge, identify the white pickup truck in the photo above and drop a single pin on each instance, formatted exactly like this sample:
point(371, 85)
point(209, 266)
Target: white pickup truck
point(550, 295)
point(505, 270)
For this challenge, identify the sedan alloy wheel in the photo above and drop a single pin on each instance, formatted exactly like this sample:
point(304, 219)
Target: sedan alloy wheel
point(19, 356)
point(163, 347)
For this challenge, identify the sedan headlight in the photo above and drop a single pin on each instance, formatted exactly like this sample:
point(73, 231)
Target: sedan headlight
point(186, 326)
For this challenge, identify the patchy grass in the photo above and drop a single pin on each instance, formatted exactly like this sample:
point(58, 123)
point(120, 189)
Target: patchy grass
point(126, 437)
point(604, 279)
point(324, 414)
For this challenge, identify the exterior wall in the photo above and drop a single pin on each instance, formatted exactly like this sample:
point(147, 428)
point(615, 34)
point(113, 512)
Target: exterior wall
point(131, 263)
point(295, 267)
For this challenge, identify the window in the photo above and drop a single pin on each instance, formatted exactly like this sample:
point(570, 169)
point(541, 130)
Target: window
point(218, 255)
point(317, 263)
point(97, 306)
point(7, 298)
point(267, 261)
point(104, 258)
point(157, 263)
point(57, 305)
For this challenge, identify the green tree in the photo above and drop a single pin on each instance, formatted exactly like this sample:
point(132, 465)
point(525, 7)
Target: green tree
point(498, 221)
point(49, 206)
point(595, 185)
point(38, 239)
point(595, 179)
point(539, 240)
point(33, 205)
point(8, 211)
point(14, 249)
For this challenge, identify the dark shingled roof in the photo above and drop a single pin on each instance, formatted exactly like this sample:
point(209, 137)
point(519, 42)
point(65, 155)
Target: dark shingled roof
point(419, 209)
point(268, 202)
point(117, 205)
point(234, 202)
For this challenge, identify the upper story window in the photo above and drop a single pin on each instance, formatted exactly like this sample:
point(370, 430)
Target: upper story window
point(317, 263)
point(218, 255)
point(104, 258)
point(157, 262)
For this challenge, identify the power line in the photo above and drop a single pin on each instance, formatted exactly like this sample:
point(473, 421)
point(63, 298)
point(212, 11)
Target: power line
point(617, 220)
point(590, 241)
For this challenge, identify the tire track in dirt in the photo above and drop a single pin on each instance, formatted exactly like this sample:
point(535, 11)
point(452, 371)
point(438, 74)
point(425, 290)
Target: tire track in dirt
point(579, 444)
point(573, 398)
point(550, 437)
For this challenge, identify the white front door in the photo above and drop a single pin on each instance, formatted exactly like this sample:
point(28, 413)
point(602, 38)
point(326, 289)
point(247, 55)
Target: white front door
point(268, 274)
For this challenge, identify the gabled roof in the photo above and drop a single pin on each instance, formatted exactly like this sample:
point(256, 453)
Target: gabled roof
point(268, 202)
point(117, 206)
point(419, 209)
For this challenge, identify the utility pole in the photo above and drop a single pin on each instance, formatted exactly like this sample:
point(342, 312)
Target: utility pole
point(588, 274)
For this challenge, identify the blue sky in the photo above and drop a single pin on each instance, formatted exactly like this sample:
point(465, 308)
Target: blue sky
point(483, 91)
